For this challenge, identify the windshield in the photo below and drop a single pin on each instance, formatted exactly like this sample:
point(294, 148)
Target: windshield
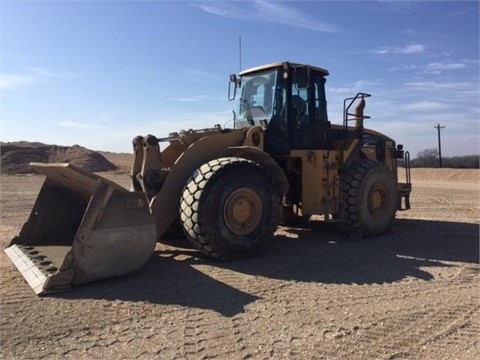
point(256, 98)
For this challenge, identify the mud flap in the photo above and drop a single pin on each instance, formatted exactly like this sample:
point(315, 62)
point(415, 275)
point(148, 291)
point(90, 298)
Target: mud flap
point(82, 228)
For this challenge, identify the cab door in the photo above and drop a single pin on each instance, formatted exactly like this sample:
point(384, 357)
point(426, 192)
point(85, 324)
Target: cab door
point(301, 112)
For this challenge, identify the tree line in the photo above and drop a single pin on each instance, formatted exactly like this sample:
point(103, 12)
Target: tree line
point(429, 158)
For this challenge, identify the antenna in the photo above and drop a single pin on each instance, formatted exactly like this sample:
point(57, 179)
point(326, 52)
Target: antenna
point(240, 52)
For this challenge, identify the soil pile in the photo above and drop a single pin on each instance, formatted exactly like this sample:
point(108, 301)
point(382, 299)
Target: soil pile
point(16, 157)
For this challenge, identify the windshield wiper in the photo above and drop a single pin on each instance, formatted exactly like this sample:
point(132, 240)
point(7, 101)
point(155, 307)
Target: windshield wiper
point(248, 113)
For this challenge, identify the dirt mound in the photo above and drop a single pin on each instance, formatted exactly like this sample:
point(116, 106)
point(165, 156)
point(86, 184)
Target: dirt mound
point(447, 175)
point(123, 161)
point(16, 156)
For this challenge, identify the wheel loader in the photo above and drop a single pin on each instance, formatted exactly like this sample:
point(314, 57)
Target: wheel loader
point(226, 188)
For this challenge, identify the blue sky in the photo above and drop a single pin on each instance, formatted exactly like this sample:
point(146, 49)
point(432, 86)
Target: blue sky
point(99, 73)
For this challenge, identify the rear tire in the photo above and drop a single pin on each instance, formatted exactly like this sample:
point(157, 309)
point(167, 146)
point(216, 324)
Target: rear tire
point(229, 208)
point(369, 193)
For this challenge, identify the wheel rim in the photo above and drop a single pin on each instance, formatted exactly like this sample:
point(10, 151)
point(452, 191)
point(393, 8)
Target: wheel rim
point(243, 211)
point(377, 199)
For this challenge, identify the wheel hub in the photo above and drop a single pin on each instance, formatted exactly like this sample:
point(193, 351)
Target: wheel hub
point(243, 211)
point(377, 198)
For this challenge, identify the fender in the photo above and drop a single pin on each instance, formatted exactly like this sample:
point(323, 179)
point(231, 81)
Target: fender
point(165, 204)
point(262, 158)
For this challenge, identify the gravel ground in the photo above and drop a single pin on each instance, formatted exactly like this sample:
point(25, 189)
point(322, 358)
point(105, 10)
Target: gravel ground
point(412, 294)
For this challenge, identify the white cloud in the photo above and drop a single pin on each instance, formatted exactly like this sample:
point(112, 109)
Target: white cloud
point(404, 67)
point(281, 14)
point(76, 125)
point(195, 75)
point(433, 85)
point(216, 10)
point(424, 106)
point(34, 75)
point(438, 68)
point(273, 12)
point(43, 72)
point(198, 98)
point(11, 81)
point(188, 99)
point(407, 49)
point(357, 86)
point(339, 90)
point(412, 49)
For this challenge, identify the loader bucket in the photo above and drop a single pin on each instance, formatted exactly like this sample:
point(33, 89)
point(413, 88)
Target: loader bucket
point(82, 228)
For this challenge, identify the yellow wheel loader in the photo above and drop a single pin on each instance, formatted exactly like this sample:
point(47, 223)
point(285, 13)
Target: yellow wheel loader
point(227, 188)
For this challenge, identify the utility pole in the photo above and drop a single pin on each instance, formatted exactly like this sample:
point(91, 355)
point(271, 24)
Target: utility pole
point(438, 127)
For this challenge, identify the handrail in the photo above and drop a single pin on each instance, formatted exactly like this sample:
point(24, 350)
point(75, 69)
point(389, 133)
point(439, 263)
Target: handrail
point(346, 109)
point(407, 167)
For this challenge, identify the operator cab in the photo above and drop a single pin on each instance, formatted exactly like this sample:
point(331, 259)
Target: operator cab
point(288, 100)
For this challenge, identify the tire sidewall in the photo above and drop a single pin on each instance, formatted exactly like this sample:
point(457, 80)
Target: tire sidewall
point(357, 217)
point(213, 220)
point(380, 177)
point(215, 192)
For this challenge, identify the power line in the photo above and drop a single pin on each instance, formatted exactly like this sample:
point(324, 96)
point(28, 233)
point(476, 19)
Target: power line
point(438, 127)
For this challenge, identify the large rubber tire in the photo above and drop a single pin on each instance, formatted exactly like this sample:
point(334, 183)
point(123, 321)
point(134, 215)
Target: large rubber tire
point(370, 199)
point(229, 208)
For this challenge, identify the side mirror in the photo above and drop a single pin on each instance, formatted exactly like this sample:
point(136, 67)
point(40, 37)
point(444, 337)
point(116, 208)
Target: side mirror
point(237, 82)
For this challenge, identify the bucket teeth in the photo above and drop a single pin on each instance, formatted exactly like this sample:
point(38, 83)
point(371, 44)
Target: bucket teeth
point(40, 260)
point(39, 271)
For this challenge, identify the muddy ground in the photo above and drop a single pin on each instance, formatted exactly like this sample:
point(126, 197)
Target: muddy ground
point(412, 294)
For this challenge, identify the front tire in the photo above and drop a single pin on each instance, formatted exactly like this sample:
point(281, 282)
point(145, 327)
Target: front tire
point(229, 208)
point(370, 199)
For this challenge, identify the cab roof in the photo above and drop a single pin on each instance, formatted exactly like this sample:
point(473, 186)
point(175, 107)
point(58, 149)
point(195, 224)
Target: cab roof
point(324, 72)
